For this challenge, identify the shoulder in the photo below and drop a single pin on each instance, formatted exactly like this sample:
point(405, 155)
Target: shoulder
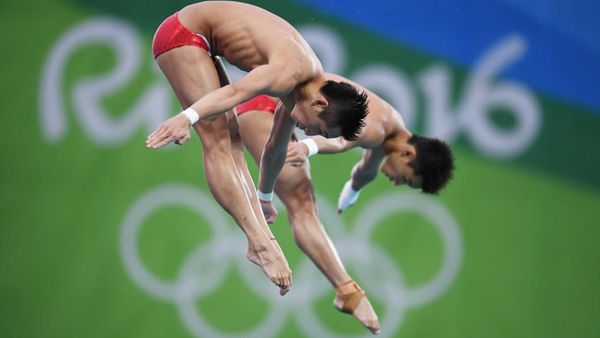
point(285, 77)
point(371, 136)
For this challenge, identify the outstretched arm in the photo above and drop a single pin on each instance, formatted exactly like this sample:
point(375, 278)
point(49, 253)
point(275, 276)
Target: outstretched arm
point(267, 79)
point(273, 157)
point(275, 150)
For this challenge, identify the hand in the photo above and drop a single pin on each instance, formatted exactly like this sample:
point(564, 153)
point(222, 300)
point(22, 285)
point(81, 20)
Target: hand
point(348, 197)
point(176, 129)
point(269, 211)
point(297, 154)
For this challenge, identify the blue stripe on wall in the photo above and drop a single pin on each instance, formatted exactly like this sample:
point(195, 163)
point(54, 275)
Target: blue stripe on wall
point(562, 60)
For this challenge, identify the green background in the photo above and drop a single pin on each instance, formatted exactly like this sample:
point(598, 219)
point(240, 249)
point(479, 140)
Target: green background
point(529, 224)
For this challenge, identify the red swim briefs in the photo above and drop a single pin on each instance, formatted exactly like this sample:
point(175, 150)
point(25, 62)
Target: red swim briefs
point(260, 102)
point(172, 34)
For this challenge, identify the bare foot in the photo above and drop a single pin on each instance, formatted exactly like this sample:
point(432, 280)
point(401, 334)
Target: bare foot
point(363, 311)
point(273, 264)
point(278, 249)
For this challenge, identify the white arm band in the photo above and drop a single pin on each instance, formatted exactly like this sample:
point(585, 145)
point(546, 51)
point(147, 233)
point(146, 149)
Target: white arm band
point(264, 197)
point(191, 114)
point(313, 148)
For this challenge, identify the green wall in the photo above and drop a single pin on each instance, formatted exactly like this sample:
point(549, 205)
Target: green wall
point(104, 238)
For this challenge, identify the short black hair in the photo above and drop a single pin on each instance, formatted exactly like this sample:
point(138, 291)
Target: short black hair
point(347, 108)
point(434, 162)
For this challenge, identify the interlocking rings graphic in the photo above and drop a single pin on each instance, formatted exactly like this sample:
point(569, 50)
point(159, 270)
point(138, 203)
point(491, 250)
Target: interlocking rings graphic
point(206, 266)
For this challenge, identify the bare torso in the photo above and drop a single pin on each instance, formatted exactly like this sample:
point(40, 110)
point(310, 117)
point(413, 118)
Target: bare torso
point(249, 36)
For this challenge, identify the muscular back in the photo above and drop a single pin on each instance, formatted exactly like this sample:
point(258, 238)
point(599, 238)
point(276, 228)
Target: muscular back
point(249, 36)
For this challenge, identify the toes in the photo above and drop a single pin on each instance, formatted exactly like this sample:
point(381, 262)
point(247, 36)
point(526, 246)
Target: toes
point(286, 284)
point(373, 326)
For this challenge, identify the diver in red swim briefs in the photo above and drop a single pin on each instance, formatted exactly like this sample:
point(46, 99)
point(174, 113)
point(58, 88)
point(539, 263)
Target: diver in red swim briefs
point(279, 63)
point(295, 190)
point(405, 158)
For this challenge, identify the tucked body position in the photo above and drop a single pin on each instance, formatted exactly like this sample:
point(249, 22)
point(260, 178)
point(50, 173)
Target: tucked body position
point(279, 62)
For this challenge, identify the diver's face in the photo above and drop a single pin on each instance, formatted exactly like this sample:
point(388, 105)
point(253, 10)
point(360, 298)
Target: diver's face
point(397, 170)
point(307, 118)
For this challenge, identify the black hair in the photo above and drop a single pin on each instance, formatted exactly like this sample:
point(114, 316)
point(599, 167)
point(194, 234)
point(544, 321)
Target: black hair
point(434, 162)
point(347, 108)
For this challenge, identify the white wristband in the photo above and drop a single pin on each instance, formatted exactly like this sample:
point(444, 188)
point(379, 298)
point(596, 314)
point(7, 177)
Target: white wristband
point(191, 114)
point(264, 197)
point(313, 148)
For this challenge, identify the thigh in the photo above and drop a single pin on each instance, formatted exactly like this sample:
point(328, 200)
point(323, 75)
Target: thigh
point(192, 74)
point(293, 183)
point(234, 131)
point(190, 71)
point(254, 128)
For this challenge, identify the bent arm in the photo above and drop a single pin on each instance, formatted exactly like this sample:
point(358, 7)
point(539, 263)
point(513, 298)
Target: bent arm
point(333, 146)
point(275, 150)
point(366, 169)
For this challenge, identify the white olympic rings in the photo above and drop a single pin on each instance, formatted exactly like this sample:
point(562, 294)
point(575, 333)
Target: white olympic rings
point(207, 265)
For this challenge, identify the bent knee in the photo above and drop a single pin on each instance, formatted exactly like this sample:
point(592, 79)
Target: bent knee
point(298, 195)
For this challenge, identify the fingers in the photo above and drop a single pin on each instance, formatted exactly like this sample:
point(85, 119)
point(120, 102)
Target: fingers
point(183, 139)
point(161, 140)
point(158, 136)
point(174, 129)
point(152, 136)
point(165, 136)
point(154, 133)
point(295, 158)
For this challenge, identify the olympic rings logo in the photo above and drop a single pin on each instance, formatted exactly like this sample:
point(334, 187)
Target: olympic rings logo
point(207, 265)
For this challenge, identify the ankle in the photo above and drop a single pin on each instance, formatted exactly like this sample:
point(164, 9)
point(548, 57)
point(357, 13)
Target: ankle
point(258, 247)
point(347, 288)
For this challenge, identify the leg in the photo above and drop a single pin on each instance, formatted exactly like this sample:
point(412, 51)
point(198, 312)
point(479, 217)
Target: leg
point(295, 190)
point(237, 151)
point(191, 73)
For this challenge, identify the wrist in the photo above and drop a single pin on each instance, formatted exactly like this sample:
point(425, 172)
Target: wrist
point(191, 115)
point(265, 197)
point(312, 146)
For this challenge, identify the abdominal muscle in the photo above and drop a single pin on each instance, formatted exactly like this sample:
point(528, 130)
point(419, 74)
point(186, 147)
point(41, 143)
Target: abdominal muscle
point(247, 36)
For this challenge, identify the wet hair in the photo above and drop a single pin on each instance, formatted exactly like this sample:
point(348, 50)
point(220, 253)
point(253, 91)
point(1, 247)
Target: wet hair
point(347, 108)
point(434, 162)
